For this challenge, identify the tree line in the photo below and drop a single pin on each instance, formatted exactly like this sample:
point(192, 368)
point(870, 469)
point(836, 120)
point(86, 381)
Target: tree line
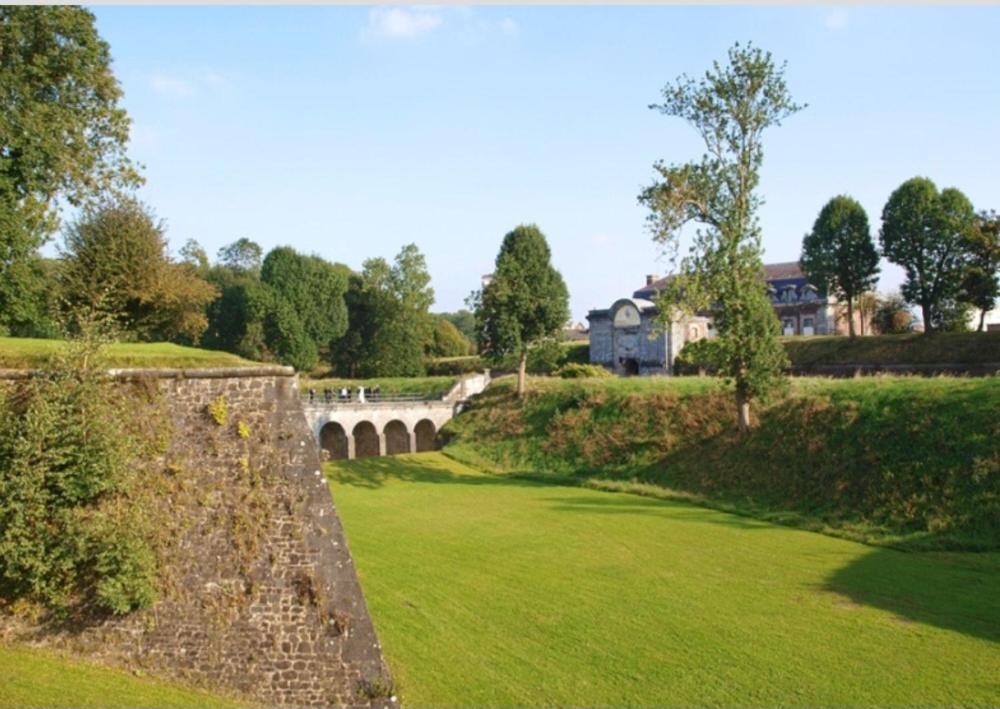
point(949, 252)
point(284, 306)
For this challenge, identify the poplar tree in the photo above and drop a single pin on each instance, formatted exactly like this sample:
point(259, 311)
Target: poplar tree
point(840, 254)
point(525, 301)
point(730, 106)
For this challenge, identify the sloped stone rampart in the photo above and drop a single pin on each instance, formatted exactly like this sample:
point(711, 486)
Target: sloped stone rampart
point(261, 598)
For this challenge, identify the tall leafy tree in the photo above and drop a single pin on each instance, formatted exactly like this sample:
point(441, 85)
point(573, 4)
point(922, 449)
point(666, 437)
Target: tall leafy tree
point(840, 253)
point(925, 231)
point(981, 281)
point(62, 139)
point(730, 107)
point(313, 286)
point(242, 255)
point(525, 301)
point(389, 319)
point(116, 262)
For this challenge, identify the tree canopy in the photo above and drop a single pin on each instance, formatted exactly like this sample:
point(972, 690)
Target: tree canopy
point(925, 232)
point(242, 255)
point(62, 138)
point(840, 254)
point(446, 340)
point(389, 321)
point(525, 301)
point(116, 262)
point(981, 280)
point(730, 107)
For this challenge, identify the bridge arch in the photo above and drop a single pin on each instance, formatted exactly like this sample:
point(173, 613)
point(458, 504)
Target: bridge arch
point(397, 438)
point(333, 439)
point(426, 434)
point(366, 440)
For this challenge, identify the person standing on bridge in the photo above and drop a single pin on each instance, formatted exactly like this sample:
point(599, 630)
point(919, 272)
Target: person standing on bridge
point(376, 392)
point(361, 395)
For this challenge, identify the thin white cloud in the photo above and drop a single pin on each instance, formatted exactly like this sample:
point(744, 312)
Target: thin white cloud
point(178, 87)
point(508, 26)
point(402, 23)
point(213, 79)
point(836, 20)
point(171, 86)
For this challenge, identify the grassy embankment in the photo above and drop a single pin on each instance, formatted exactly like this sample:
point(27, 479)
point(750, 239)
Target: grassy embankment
point(908, 462)
point(35, 678)
point(26, 352)
point(939, 348)
point(499, 591)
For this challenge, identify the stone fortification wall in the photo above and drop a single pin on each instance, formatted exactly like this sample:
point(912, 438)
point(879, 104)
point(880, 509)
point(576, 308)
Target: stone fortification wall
point(260, 598)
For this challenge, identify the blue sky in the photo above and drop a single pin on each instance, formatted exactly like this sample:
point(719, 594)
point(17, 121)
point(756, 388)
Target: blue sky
point(351, 131)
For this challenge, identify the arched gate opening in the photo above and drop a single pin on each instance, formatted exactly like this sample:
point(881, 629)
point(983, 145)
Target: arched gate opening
point(333, 439)
point(397, 438)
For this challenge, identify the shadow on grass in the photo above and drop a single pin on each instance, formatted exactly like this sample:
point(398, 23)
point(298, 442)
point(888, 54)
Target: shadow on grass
point(957, 592)
point(375, 472)
point(624, 503)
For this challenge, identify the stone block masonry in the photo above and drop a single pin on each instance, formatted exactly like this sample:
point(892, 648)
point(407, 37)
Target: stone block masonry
point(260, 597)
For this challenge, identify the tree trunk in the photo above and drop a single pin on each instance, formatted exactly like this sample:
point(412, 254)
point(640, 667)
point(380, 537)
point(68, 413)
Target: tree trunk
point(742, 410)
point(522, 367)
point(925, 312)
point(850, 316)
point(982, 320)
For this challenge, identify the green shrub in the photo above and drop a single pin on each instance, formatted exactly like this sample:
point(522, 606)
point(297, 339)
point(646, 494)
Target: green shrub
point(698, 357)
point(454, 366)
point(582, 371)
point(547, 357)
point(69, 534)
point(576, 352)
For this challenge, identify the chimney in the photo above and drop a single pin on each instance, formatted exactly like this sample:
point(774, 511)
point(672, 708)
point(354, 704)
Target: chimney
point(650, 277)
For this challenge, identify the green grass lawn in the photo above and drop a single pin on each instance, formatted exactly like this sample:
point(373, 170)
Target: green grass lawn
point(909, 462)
point(497, 591)
point(27, 352)
point(428, 387)
point(34, 678)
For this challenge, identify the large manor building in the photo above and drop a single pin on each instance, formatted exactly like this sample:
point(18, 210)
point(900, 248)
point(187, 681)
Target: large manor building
point(624, 338)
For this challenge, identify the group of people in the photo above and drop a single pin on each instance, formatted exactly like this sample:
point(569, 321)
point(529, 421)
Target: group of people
point(359, 394)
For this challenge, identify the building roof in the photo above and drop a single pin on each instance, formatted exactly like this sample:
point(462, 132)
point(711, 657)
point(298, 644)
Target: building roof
point(789, 269)
point(773, 272)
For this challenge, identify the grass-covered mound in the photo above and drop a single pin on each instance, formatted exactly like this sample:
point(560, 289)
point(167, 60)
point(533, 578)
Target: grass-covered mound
point(937, 348)
point(495, 591)
point(37, 678)
point(904, 461)
point(30, 353)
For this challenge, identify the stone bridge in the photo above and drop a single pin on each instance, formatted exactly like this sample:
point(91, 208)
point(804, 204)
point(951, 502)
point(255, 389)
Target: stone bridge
point(353, 429)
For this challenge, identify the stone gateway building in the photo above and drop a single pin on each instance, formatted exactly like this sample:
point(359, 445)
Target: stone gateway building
point(624, 338)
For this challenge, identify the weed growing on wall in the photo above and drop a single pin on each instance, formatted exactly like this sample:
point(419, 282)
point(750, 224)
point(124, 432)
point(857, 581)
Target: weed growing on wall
point(71, 537)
